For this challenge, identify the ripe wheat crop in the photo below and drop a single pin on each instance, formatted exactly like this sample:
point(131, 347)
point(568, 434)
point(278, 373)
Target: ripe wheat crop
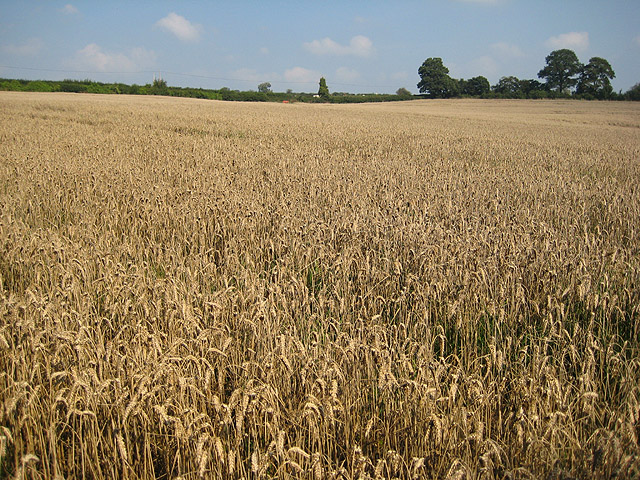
point(433, 289)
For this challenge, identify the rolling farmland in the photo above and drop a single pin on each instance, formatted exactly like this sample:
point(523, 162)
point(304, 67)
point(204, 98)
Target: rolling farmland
point(426, 289)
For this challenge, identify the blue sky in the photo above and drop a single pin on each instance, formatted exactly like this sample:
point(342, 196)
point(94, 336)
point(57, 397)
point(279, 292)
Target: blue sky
point(359, 46)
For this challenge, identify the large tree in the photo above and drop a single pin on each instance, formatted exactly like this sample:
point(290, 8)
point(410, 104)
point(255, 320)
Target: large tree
point(476, 86)
point(264, 87)
point(528, 86)
point(508, 87)
point(561, 70)
point(633, 93)
point(595, 78)
point(435, 80)
point(323, 90)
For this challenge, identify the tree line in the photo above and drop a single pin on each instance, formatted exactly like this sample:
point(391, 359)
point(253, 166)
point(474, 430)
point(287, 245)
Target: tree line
point(160, 87)
point(563, 75)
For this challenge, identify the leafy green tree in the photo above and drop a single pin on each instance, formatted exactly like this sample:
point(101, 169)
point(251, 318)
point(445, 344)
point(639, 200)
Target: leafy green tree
point(476, 86)
point(73, 86)
point(11, 85)
point(633, 93)
point(264, 87)
point(528, 87)
point(403, 92)
point(159, 87)
point(38, 86)
point(595, 79)
point(508, 87)
point(435, 80)
point(323, 91)
point(561, 70)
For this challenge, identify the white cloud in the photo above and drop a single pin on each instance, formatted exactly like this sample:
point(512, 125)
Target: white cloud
point(507, 50)
point(94, 57)
point(264, 50)
point(301, 75)
point(180, 27)
point(344, 74)
point(571, 40)
point(69, 9)
point(29, 48)
point(359, 45)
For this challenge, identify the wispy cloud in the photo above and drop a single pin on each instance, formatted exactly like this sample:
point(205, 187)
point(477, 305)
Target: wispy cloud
point(94, 57)
point(31, 47)
point(359, 45)
point(571, 40)
point(180, 27)
point(507, 50)
point(69, 9)
point(301, 75)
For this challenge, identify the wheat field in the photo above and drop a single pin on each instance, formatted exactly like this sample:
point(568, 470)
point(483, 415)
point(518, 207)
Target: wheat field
point(428, 289)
